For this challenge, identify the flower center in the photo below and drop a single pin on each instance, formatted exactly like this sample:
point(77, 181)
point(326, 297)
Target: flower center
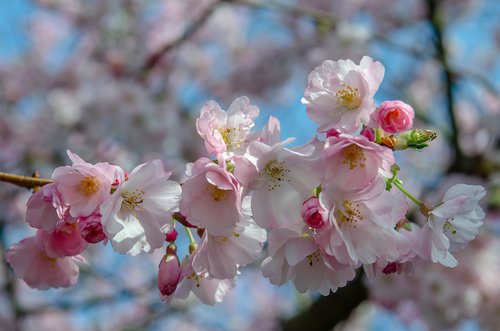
point(89, 185)
point(314, 257)
point(133, 201)
point(350, 214)
point(276, 174)
point(448, 228)
point(217, 193)
point(348, 98)
point(353, 156)
point(229, 135)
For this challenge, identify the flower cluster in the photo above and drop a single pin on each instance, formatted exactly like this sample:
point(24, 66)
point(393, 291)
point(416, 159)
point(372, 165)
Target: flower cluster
point(325, 208)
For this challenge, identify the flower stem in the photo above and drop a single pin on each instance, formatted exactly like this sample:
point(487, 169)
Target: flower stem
point(399, 185)
point(190, 235)
point(24, 181)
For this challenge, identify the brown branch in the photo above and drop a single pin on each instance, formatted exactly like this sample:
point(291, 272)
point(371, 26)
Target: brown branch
point(328, 311)
point(24, 181)
point(154, 58)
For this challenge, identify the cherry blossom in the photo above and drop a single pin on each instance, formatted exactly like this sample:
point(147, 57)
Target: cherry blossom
point(226, 131)
point(136, 216)
point(339, 94)
point(452, 224)
point(39, 270)
point(211, 197)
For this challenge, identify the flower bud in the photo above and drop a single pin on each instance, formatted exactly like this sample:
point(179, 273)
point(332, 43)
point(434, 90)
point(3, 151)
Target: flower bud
point(171, 236)
point(91, 229)
point(313, 214)
point(368, 133)
point(169, 272)
point(332, 133)
point(391, 268)
point(394, 116)
point(415, 139)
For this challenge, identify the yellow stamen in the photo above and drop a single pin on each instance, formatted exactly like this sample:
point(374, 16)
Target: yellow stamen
point(348, 98)
point(89, 185)
point(353, 156)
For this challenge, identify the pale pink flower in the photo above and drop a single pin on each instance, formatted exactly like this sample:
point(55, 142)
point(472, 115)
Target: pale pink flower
point(44, 208)
point(393, 116)
point(296, 255)
point(271, 132)
point(91, 228)
point(211, 198)
point(354, 163)
point(138, 214)
point(30, 262)
point(169, 272)
point(209, 290)
point(452, 224)
point(339, 94)
point(226, 131)
point(365, 223)
point(84, 186)
point(221, 256)
point(64, 240)
point(283, 180)
point(407, 246)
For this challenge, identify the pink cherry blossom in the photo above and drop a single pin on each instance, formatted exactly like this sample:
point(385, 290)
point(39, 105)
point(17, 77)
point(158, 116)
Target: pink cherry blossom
point(44, 208)
point(339, 94)
point(30, 262)
point(452, 224)
point(91, 228)
point(295, 255)
point(211, 198)
point(354, 162)
point(365, 223)
point(138, 214)
point(221, 256)
point(209, 290)
point(64, 240)
point(84, 186)
point(393, 116)
point(283, 180)
point(226, 131)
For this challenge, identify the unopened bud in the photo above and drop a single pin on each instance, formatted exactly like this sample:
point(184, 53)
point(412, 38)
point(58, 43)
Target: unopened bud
point(391, 268)
point(171, 236)
point(169, 272)
point(91, 229)
point(313, 214)
point(415, 139)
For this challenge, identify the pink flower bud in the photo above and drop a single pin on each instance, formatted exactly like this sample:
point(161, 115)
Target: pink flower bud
point(394, 116)
point(368, 133)
point(391, 268)
point(91, 229)
point(332, 133)
point(169, 272)
point(171, 236)
point(313, 214)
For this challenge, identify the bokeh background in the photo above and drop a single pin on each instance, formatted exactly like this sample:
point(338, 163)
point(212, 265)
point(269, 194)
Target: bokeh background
point(122, 81)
